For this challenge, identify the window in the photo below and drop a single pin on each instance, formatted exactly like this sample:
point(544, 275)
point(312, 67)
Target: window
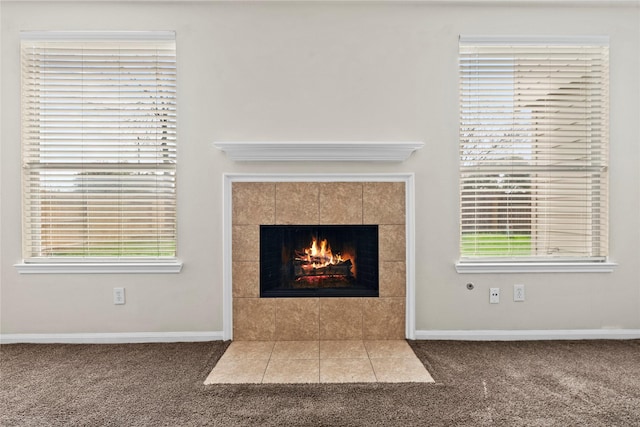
point(99, 146)
point(533, 149)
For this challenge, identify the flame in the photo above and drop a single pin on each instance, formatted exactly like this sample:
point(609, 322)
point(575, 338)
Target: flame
point(319, 255)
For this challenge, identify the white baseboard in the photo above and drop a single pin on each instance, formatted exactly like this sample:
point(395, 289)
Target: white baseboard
point(529, 335)
point(111, 337)
point(464, 335)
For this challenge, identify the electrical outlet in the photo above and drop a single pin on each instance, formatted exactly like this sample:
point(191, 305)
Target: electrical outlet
point(518, 292)
point(118, 296)
point(494, 295)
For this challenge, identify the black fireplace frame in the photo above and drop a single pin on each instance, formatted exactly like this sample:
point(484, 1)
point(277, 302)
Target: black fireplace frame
point(275, 280)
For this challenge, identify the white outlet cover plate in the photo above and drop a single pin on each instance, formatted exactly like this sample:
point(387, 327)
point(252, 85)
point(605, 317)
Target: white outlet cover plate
point(518, 293)
point(118, 296)
point(494, 295)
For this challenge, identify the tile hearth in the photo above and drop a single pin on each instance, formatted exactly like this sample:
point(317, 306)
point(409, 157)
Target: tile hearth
point(256, 362)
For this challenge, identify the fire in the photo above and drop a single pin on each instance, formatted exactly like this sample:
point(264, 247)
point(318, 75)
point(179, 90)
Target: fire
point(318, 261)
point(319, 255)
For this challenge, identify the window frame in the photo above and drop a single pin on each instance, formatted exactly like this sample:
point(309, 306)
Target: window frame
point(100, 264)
point(527, 264)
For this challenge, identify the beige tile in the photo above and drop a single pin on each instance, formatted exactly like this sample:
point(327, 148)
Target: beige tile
point(391, 244)
point(249, 350)
point(389, 349)
point(341, 318)
point(297, 203)
point(400, 370)
point(296, 350)
point(254, 319)
point(313, 361)
point(346, 371)
point(253, 203)
point(245, 243)
point(286, 371)
point(384, 203)
point(343, 350)
point(393, 279)
point(383, 319)
point(297, 319)
point(341, 203)
point(246, 279)
point(237, 371)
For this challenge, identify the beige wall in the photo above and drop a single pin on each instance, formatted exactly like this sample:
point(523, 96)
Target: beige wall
point(324, 71)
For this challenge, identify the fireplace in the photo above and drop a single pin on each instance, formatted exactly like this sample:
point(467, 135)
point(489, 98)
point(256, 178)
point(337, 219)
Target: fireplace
point(318, 261)
point(258, 200)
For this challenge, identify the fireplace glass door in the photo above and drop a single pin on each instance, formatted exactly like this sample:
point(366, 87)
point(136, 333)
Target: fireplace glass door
point(318, 261)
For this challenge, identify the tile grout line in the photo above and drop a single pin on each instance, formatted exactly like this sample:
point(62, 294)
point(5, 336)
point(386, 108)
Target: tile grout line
point(362, 202)
point(268, 361)
point(275, 203)
point(275, 322)
point(373, 369)
point(320, 204)
point(369, 359)
point(319, 367)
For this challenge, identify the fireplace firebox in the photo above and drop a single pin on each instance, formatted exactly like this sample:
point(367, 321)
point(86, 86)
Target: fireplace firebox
point(318, 261)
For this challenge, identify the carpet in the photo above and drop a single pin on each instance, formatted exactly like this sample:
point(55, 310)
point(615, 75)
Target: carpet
point(546, 383)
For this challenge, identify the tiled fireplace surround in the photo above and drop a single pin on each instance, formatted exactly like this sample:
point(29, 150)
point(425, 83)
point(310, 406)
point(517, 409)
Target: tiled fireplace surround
point(326, 203)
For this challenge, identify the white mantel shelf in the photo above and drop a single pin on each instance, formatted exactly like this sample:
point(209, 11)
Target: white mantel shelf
point(318, 151)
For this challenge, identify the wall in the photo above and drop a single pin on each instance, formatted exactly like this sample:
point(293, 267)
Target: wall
point(326, 71)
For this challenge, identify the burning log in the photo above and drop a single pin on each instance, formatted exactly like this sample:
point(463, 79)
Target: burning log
point(319, 261)
point(305, 268)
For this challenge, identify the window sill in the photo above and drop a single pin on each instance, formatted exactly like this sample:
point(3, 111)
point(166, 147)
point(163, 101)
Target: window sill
point(142, 267)
point(466, 267)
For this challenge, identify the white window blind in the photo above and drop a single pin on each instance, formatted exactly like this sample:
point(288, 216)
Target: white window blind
point(99, 145)
point(533, 148)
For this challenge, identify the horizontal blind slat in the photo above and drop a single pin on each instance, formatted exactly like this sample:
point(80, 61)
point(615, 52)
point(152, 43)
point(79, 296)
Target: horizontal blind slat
point(533, 149)
point(99, 148)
